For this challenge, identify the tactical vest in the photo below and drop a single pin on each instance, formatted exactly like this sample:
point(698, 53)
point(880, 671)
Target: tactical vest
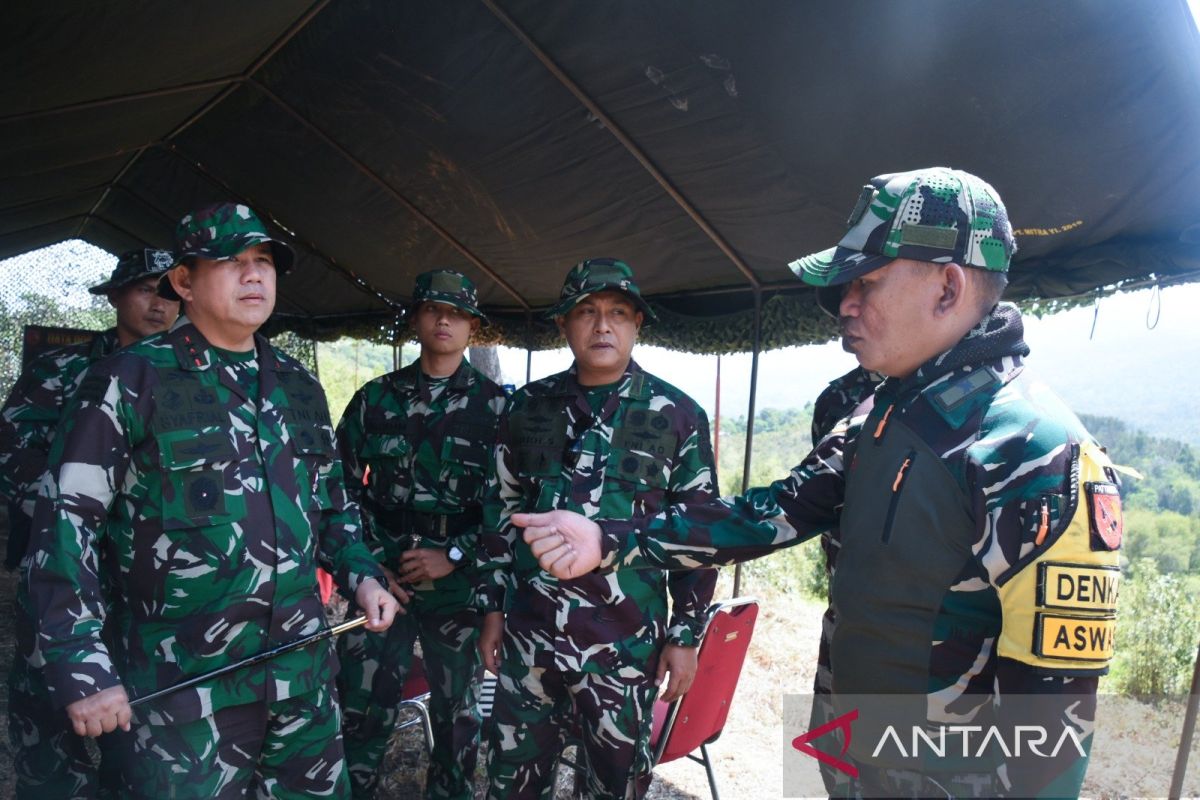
point(907, 534)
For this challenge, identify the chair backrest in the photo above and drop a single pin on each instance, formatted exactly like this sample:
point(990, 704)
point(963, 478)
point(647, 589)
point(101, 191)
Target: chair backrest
point(699, 716)
point(415, 683)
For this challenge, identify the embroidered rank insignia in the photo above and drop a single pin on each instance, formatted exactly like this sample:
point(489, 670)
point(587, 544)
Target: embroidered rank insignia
point(1104, 510)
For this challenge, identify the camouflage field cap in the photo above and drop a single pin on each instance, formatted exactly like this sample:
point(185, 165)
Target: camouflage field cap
point(222, 231)
point(135, 265)
point(600, 275)
point(449, 287)
point(935, 214)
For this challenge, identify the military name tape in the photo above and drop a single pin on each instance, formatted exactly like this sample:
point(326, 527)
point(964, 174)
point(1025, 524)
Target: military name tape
point(1077, 587)
point(1075, 638)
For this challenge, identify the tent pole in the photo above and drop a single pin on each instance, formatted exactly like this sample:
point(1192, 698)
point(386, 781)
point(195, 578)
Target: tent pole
point(528, 345)
point(316, 362)
point(1185, 736)
point(737, 570)
point(717, 423)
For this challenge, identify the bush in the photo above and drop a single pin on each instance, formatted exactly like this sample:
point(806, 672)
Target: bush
point(1157, 633)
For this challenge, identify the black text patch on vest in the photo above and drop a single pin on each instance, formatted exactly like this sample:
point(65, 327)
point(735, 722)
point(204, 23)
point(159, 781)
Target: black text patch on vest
point(1074, 638)
point(1078, 587)
point(1104, 512)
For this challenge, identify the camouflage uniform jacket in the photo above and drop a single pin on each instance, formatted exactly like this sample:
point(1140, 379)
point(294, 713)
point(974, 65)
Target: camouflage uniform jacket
point(213, 509)
point(1006, 442)
point(427, 455)
point(646, 451)
point(33, 409)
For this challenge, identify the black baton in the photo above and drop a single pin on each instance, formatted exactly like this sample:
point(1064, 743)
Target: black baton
point(250, 661)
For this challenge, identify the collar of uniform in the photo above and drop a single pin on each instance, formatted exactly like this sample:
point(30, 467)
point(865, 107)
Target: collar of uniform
point(195, 353)
point(412, 378)
point(632, 385)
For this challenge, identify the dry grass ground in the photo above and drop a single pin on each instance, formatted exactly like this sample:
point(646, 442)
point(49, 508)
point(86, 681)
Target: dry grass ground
point(1132, 757)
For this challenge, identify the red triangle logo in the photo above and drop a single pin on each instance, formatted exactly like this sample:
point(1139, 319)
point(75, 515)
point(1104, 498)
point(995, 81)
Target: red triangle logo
point(842, 723)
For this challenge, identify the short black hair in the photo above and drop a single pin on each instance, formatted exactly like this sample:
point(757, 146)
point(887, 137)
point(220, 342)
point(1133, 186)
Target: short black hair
point(990, 285)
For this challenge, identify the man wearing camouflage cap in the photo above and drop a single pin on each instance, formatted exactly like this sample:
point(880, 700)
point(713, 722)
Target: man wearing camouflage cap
point(49, 760)
point(970, 503)
point(200, 461)
point(606, 439)
point(417, 448)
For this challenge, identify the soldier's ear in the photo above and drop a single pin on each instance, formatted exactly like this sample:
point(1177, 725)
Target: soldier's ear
point(638, 318)
point(475, 323)
point(952, 290)
point(561, 322)
point(181, 281)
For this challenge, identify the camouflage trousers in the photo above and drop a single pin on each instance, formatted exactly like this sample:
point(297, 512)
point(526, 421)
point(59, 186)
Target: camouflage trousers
point(537, 710)
point(49, 759)
point(289, 749)
point(371, 681)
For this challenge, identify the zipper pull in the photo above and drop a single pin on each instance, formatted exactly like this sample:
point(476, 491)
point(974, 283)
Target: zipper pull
point(882, 426)
point(900, 475)
point(1043, 523)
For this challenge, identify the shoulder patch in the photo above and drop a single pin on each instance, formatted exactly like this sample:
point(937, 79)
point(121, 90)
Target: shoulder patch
point(1104, 513)
point(955, 400)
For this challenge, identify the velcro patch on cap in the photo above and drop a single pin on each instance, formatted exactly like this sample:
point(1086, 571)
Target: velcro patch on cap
point(1074, 638)
point(604, 273)
point(445, 282)
point(1105, 518)
point(928, 236)
point(1078, 587)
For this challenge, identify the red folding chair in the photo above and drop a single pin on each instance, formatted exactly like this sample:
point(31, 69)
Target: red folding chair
point(696, 720)
point(415, 696)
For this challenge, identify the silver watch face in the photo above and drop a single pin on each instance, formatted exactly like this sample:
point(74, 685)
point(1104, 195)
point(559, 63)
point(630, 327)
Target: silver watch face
point(454, 554)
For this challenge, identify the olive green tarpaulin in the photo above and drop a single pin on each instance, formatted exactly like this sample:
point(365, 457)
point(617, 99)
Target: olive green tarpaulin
point(706, 143)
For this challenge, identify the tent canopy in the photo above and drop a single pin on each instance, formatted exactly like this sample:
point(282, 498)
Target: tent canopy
point(706, 143)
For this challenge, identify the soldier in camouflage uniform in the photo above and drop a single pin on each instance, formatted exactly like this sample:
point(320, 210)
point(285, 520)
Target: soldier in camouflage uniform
point(971, 503)
point(49, 759)
point(605, 439)
point(200, 462)
point(421, 438)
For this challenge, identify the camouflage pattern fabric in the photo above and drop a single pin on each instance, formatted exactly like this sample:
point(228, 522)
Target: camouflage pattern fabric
point(600, 275)
point(287, 750)
point(33, 409)
point(423, 447)
point(213, 508)
point(833, 405)
point(371, 684)
point(48, 759)
point(528, 728)
point(1006, 445)
point(644, 449)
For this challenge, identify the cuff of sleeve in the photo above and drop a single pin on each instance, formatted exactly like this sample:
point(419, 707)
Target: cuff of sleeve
point(685, 633)
point(490, 599)
point(75, 680)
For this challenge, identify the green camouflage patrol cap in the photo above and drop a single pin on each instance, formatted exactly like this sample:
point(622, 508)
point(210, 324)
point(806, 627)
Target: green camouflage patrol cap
point(222, 231)
point(449, 287)
point(135, 265)
point(936, 214)
point(600, 275)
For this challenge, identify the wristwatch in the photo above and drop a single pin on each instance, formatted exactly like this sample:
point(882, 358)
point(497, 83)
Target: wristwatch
point(455, 555)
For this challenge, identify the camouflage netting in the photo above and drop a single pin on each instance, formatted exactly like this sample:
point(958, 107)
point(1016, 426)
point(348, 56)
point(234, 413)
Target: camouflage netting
point(49, 287)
